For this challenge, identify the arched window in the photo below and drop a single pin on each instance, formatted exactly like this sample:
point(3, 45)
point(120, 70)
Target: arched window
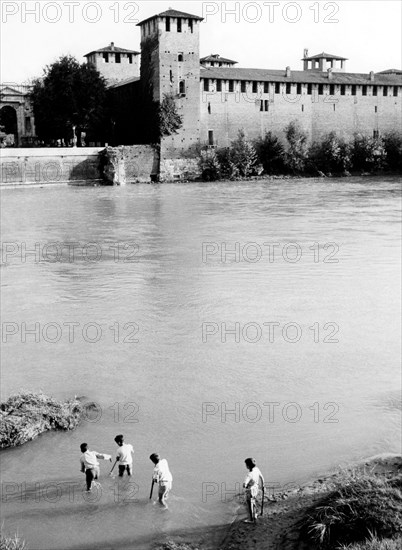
point(182, 87)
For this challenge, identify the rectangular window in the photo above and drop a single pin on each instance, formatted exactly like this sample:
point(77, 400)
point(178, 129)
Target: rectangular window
point(190, 25)
point(167, 24)
point(288, 87)
point(130, 58)
point(395, 91)
point(266, 104)
point(255, 87)
point(261, 105)
point(277, 87)
point(332, 89)
point(179, 24)
point(209, 108)
point(219, 85)
point(243, 86)
point(180, 57)
point(376, 134)
point(353, 89)
point(364, 90)
point(206, 84)
point(28, 125)
point(231, 85)
point(320, 89)
point(210, 137)
point(118, 58)
point(385, 90)
point(266, 87)
point(343, 89)
point(302, 108)
point(374, 90)
point(106, 58)
point(298, 89)
point(375, 109)
point(309, 89)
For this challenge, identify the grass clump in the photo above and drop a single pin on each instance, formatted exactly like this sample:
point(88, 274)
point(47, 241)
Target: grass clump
point(11, 542)
point(171, 545)
point(375, 544)
point(361, 504)
point(26, 415)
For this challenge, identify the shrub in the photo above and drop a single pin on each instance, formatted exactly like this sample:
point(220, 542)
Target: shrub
point(243, 155)
point(297, 150)
point(169, 119)
point(362, 506)
point(393, 149)
point(368, 153)
point(210, 165)
point(11, 543)
point(271, 154)
point(332, 154)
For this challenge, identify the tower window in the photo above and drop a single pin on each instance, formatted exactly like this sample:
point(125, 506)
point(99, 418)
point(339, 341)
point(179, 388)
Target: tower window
point(219, 85)
point(255, 87)
point(209, 108)
point(179, 24)
point(364, 90)
point(171, 75)
point(302, 108)
point(231, 85)
point(298, 89)
point(206, 84)
point(374, 90)
point(210, 137)
point(385, 91)
point(118, 58)
point(332, 89)
point(167, 24)
point(182, 87)
point(353, 89)
point(343, 89)
point(309, 89)
point(277, 87)
point(243, 86)
point(190, 25)
point(395, 91)
point(266, 88)
point(320, 89)
point(106, 58)
point(180, 57)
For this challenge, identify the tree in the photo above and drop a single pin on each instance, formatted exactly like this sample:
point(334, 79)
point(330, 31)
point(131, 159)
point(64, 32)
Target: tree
point(70, 95)
point(330, 155)
point(243, 155)
point(169, 119)
point(270, 153)
point(297, 153)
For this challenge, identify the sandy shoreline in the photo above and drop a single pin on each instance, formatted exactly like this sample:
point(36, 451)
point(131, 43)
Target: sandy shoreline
point(278, 528)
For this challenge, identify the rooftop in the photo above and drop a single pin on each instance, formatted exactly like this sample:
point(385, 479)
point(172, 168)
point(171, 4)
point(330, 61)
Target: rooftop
point(112, 49)
point(272, 75)
point(216, 57)
point(172, 13)
point(324, 55)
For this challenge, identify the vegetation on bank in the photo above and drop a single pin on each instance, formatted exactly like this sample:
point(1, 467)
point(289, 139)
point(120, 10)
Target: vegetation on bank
point(330, 156)
point(26, 415)
point(8, 542)
point(360, 508)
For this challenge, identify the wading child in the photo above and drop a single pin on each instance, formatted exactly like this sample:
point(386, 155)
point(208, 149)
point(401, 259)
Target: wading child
point(162, 476)
point(90, 464)
point(124, 456)
point(252, 484)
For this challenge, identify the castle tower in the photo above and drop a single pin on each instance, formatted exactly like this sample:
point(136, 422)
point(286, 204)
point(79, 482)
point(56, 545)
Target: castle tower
point(170, 65)
point(323, 61)
point(114, 63)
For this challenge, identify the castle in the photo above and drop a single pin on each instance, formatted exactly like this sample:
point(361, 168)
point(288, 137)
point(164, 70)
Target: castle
point(215, 98)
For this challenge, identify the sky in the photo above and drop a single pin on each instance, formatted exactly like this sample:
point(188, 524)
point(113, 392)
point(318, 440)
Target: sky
point(269, 35)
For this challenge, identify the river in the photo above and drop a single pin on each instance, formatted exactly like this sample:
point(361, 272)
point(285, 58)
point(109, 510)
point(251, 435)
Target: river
point(210, 323)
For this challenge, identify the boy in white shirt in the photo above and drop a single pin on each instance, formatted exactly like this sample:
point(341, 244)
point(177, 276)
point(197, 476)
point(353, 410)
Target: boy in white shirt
point(90, 464)
point(124, 456)
point(162, 476)
point(252, 484)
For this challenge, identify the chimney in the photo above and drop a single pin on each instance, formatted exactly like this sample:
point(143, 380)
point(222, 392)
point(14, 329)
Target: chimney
point(329, 71)
point(112, 45)
point(288, 71)
point(305, 52)
point(372, 76)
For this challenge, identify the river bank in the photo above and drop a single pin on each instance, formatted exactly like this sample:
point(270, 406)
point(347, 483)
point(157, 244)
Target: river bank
point(287, 513)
